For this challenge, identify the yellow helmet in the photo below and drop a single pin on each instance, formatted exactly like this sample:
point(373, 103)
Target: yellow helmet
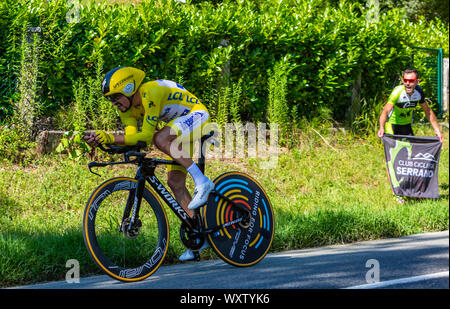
point(123, 80)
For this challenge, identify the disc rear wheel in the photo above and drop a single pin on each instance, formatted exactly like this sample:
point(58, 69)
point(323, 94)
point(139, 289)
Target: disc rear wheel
point(247, 242)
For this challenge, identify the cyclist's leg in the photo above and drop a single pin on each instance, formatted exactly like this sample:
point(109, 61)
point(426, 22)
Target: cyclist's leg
point(176, 180)
point(164, 139)
point(176, 174)
point(171, 141)
point(188, 129)
point(176, 138)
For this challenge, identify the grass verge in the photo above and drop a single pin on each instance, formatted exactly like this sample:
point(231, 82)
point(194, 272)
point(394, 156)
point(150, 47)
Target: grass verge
point(323, 193)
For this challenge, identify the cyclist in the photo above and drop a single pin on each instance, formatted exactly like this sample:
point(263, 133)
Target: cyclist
point(154, 101)
point(396, 117)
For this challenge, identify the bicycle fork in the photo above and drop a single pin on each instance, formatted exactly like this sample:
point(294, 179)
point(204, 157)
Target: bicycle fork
point(130, 224)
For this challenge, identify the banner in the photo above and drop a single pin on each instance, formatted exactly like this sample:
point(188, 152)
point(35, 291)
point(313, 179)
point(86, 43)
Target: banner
point(412, 164)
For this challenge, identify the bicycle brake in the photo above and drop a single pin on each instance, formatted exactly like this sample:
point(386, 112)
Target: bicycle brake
point(96, 164)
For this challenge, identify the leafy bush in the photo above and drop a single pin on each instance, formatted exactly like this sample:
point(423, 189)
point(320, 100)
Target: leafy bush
point(328, 46)
point(73, 144)
point(277, 107)
point(16, 146)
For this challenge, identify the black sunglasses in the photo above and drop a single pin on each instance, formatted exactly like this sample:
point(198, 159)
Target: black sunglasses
point(114, 97)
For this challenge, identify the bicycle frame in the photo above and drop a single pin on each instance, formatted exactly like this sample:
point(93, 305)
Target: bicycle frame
point(147, 174)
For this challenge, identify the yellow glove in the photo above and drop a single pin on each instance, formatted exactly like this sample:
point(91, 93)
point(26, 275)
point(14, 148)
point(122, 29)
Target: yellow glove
point(105, 138)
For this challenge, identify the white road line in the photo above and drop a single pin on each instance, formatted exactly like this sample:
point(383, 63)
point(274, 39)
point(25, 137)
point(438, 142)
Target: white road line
point(442, 274)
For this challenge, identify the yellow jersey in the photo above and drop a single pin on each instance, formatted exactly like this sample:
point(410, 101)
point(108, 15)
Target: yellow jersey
point(162, 100)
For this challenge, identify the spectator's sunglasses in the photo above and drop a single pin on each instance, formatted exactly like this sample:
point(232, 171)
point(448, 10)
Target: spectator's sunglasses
point(409, 80)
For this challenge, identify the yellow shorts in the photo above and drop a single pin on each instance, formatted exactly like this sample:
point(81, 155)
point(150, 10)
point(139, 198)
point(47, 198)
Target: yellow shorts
point(189, 128)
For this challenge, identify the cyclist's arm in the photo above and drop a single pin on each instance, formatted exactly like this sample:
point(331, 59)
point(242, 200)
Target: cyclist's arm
point(384, 116)
point(130, 124)
point(132, 135)
point(148, 130)
point(393, 98)
point(131, 128)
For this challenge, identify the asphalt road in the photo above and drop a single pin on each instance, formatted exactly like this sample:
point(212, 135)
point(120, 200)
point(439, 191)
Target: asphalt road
point(413, 262)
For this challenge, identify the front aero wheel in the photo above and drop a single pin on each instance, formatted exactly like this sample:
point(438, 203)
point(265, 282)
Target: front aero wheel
point(131, 255)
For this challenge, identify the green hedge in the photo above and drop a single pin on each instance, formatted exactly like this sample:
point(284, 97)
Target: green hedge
point(327, 47)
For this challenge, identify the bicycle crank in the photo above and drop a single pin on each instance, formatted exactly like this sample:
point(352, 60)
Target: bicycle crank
point(190, 239)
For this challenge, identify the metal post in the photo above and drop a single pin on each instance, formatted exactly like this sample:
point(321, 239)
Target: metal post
point(439, 77)
point(445, 81)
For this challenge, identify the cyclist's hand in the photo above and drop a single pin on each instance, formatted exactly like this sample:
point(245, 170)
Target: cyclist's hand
point(105, 138)
point(440, 136)
point(92, 140)
point(380, 133)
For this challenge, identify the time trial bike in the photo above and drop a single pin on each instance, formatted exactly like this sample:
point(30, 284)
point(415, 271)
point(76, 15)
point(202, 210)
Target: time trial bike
point(124, 217)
